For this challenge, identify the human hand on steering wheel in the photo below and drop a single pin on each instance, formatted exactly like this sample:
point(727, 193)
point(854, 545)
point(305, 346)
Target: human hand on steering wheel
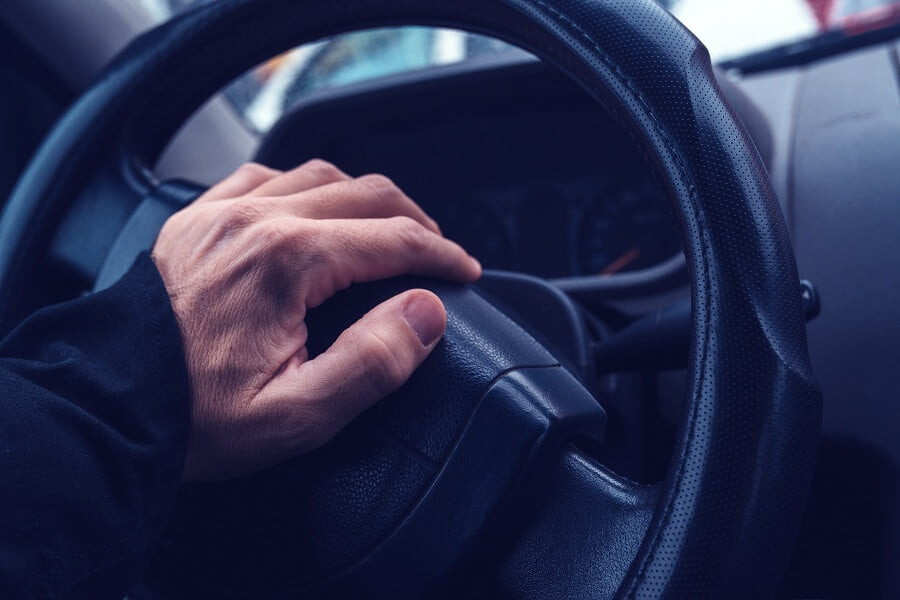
point(432, 480)
point(243, 264)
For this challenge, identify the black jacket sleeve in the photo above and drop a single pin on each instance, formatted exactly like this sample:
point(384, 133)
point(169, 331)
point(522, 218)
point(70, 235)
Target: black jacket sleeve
point(94, 420)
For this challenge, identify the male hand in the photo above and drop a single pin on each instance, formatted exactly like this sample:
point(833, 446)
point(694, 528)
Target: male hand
point(242, 266)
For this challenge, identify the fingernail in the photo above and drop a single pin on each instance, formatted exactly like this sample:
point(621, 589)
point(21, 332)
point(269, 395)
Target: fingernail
point(479, 268)
point(425, 317)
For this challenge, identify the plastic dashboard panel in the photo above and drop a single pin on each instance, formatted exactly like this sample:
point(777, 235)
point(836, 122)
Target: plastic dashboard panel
point(845, 186)
point(510, 81)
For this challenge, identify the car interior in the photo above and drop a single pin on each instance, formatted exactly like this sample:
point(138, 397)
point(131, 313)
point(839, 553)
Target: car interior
point(676, 375)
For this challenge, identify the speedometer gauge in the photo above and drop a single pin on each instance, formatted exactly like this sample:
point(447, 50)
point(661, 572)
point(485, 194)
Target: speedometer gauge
point(629, 229)
point(473, 224)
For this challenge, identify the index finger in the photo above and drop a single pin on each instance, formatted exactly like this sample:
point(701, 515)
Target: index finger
point(358, 250)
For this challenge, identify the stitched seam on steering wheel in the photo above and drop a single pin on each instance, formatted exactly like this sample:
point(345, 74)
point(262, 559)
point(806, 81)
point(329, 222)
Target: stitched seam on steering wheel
point(692, 194)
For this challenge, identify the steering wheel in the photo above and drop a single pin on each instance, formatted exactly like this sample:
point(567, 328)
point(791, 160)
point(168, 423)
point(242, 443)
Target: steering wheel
point(477, 469)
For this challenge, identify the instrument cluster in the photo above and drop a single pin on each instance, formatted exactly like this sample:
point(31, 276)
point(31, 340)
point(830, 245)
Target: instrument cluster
point(560, 229)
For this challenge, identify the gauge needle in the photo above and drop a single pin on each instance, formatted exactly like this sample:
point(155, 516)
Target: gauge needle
point(621, 262)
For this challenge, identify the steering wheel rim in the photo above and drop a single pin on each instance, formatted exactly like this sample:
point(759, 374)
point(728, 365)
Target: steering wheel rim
point(752, 412)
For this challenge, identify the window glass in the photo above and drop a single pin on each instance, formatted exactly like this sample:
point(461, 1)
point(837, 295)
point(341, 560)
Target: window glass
point(729, 28)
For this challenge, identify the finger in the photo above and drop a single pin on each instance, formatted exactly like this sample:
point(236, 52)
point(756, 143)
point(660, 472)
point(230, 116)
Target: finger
point(243, 181)
point(312, 174)
point(367, 197)
point(357, 250)
point(371, 359)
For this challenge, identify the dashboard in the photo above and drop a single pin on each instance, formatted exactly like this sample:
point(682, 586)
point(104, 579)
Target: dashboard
point(557, 229)
point(519, 166)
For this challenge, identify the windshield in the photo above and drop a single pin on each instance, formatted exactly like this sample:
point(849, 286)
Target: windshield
point(729, 28)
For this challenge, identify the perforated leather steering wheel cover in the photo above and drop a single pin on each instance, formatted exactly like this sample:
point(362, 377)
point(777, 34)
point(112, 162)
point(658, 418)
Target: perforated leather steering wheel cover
point(753, 411)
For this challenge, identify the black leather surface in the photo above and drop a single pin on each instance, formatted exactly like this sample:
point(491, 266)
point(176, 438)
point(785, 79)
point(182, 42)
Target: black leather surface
point(737, 482)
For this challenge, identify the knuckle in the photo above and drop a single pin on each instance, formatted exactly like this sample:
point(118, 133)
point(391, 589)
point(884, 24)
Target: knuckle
point(312, 240)
point(323, 170)
point(252, 172)
point(413, 235)
point(380, 185)
point(300, 245)
point(271, 233)
point(253, 168)
point(382, 365)
point(238, 215)
point(293, 244)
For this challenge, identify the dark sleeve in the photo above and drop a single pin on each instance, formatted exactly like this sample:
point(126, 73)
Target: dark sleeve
point(94, 419)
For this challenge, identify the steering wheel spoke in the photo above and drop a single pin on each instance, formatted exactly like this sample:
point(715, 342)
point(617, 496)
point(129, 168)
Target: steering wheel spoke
point(94, 218)
point(139, 232)
point(590, 520)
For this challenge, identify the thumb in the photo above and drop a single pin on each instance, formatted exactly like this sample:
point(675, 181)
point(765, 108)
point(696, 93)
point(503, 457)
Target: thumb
point(368, 361)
